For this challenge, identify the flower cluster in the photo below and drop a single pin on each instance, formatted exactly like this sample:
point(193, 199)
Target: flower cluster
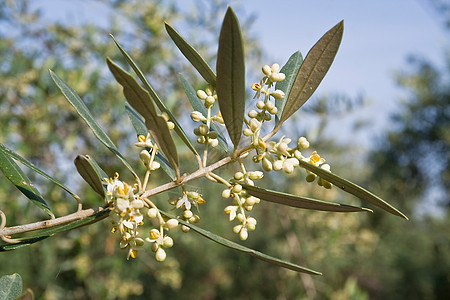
point(126, 214)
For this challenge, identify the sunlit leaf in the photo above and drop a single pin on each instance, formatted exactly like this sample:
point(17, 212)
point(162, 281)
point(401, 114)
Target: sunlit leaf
point(192, 55)
point(139, 99)
point(141, 129)
point(198, 105)
point(10, 286)
point(299, 202)
point(91, 172)
point(85, 114)
point(17, 177)
point(48, 232)
point(313, 69)
point(25, 162)
point(155, 99)
point(231, 76)
point(290, 69)
point(351, 188)
point(227, 243)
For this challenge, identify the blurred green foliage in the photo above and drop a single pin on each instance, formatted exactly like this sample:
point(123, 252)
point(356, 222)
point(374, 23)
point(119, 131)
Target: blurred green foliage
point(376, 257)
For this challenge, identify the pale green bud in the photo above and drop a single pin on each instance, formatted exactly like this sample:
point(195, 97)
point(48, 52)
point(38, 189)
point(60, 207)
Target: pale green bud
point(209, 90)
point(226, 193)
point(248, 132)
point(277, 165)
point(209, 101)
point(302, 143)
point(237, 228)
point(260, 105)
point(203, 129)
point(310, 177)
point(237, 188)
point(240, 217)
point(197, 116)
point(270, 105)
point(213, 134)
point(201, 140)
point(184, 228)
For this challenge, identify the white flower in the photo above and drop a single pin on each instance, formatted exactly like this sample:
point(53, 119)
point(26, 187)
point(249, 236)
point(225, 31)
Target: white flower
point(184, 201)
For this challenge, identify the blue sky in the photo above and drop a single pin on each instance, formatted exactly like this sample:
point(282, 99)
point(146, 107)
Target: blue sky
point(378, 38)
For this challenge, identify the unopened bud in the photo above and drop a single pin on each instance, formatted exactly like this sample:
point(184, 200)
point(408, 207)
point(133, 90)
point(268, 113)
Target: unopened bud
point(167, 242)
point(278, 94)
point(266, 165)
point(187, 214)
point(152, 213)
point(302, 143)
point(172, 223)
point(266, 70)
point(238, 175)
point(144, 155)
point(201, 94)
point(197, 116)
point(226, 193)
point(243, 234)
point(260, 105)
point(275, 68)
point(237, 188)
point(160, 255)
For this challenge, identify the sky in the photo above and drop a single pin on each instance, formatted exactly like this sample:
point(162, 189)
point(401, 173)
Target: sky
point(378, 38)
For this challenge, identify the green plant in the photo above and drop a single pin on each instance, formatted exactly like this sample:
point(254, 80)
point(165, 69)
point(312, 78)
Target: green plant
point(129, 204)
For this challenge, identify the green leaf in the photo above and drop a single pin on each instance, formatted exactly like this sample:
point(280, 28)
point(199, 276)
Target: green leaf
point(227, 243)
point(154, 97)
point(19, 158)
point(14, 174)
point(10, 286)
point(231, 76)
point(198, 105)
point(351, 188)
point(313, 69)
point(192, 55)
point(141, 129)
point(91, 173)
point(48, 232)
point(84, 113)
point(290, 69)
point(300, 202)
point(140, 100)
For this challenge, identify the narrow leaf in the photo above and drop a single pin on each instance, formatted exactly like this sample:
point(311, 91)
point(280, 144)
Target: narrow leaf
point(48, 232)
point(84, 113)
point(231, 76)
point(17, 177)
point(227, 243)
point(300, 202)
point(19, 158)
point(154, 97)
point(141, 129)
point(10, 286)
point(192, 55)
point(198, 105)
point(91, 173)
point(351, 188)
point(139, 99)
point(290, 69)
point(313, 70)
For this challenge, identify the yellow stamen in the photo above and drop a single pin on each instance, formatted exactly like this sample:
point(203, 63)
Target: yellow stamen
point(142, 138)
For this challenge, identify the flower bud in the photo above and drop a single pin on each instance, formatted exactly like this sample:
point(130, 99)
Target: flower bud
point(270, 105)
point(160, 255)
point(273, 111)
point(255, 175)
point(209, 101)
point(172, 223)
point(213, 134)
point(254, 125)
point(278, 165)
point(267, 117)
point(250, 226)
point(144, 155)
point(203, 129)
point(266, 70)
point(310, 177)
point(226, 193)
point(243, 234)
point(250, 201)
point(187, 214)
point(184, 228)
point(192, 195)
point(260, 104)
point(170, 125)
point(237, 229)
point(197, 116)
point(152, 213)
point(138, 242)
point(278, 94)
point(277, 77)
point(155, 165)
point(167, 242)
point(240, 217)
point(238, 175)
point(288, 167)
point(137, 204)
point(194, 219)
point(302, 143)
point(209, 90)
point(201, 94)
point(237, 188)
point(326, 184)
point(201, 140)
point(155, 247)
point(248, 132)
point(275, 68)
point(266, 165)
point(293, 161)
point(326, 167)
